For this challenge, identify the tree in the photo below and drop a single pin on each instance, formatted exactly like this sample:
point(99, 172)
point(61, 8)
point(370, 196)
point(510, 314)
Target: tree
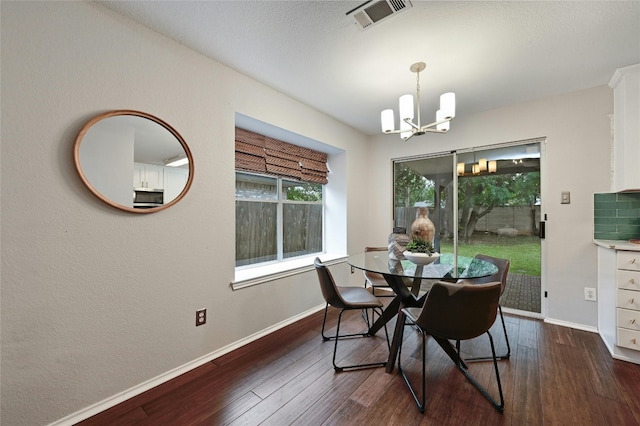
point(411, 187)
point(304, 191)
point(479, 195)
point(526, 188)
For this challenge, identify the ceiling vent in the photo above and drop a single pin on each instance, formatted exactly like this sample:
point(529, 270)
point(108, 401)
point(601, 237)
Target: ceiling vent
point(373, 12)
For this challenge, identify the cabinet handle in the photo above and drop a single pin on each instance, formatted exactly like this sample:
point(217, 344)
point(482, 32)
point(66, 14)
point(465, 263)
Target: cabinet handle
point(633, 260)
point(632, 281)
point(633, 321)
point(633, 341)
point(631, 301)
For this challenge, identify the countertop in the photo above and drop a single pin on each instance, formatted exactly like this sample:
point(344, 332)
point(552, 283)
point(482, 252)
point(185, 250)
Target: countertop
point(617, 245)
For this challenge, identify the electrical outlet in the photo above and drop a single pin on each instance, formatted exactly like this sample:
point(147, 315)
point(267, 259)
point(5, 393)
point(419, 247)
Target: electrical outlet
point(201, 317)
point(590, 294)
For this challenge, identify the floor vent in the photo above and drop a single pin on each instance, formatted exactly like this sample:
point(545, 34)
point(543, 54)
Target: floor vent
point(373, 12)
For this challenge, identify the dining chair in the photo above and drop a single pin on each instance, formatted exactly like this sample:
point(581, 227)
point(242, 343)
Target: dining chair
point(454, 311)
point(346, 299)
point(500, 276)
point(373, 280)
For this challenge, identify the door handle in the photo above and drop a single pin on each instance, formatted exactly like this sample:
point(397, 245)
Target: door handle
point(542, 232)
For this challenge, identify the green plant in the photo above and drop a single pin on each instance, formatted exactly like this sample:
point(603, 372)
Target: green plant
point(418, 245)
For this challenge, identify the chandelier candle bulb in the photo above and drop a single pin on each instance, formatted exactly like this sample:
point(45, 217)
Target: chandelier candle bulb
point(406, 130)
point(443, 127)
point(406, 107)
point(387, 120)
point(448, 105)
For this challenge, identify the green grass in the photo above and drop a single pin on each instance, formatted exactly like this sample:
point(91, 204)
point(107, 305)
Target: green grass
point(523, 252)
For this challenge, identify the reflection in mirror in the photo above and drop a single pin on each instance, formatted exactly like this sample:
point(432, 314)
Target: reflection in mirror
point(133, 161)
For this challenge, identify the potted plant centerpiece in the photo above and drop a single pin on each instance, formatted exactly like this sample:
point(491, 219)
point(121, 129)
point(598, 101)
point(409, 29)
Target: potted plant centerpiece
point(420, 251)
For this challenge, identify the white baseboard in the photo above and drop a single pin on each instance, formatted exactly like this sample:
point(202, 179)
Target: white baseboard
point(572, 325)
point(114, 400)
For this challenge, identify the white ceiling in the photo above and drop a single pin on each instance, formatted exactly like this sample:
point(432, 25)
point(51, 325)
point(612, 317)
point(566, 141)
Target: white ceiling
point(491, 54)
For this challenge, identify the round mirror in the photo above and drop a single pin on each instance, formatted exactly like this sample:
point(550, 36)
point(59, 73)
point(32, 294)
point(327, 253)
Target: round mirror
point(133, 161)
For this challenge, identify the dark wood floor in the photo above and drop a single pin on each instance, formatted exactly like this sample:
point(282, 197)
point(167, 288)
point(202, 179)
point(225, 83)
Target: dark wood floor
point(556, 376)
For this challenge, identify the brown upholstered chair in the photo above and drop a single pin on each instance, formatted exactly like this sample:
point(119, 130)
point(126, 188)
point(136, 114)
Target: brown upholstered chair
point(345, 299)
point(373, 280)
point(457, 312)
point(500, 276)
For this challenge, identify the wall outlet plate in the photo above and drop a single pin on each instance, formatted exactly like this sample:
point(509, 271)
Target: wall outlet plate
point(201, 317)
point(590, 294)
point(565, 197)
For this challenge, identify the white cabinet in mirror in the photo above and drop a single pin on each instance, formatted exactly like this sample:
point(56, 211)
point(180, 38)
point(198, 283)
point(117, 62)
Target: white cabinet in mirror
point(115, 146)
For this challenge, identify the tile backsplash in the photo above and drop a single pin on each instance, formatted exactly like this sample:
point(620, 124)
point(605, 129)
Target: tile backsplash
point(616, 216)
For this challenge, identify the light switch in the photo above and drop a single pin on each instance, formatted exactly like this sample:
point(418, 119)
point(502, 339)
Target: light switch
point(566, 197)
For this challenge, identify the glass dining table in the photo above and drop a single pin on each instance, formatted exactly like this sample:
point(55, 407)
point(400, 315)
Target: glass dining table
point(406, 278)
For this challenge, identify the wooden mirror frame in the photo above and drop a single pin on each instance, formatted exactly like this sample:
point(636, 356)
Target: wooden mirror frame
point(98, 194)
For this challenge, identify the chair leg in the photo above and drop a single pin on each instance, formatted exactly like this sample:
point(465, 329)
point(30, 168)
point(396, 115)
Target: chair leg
point(506, 338)
point(498, 406)
point(324, 320)
point(335, 349)
point(420, 400)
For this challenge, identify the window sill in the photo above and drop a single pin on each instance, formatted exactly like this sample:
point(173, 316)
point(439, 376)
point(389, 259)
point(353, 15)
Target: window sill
point(261, 274)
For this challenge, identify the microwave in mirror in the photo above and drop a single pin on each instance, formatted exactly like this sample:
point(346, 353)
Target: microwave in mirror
point(146, 198)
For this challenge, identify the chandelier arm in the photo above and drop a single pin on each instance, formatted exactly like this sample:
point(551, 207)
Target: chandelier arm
point(412, 124)
point(410, 136)
point(426, 127)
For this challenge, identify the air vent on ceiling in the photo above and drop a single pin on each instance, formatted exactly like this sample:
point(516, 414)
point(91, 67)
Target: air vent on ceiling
point(373, 12)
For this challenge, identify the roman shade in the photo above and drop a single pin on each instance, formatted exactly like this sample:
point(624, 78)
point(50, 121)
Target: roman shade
point(261, 154)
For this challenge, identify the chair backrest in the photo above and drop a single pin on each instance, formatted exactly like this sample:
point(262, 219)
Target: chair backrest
point(460, 311)
point(328, 286)
point(501, 275)
point(373, 275)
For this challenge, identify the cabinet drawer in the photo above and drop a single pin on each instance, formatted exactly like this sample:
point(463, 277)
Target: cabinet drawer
point(629, 339)
point(628, 299)
point(629, 280)
point(629, 319)
point(629, 260)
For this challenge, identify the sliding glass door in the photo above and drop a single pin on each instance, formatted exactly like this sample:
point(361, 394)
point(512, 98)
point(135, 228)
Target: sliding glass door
point(481, 201)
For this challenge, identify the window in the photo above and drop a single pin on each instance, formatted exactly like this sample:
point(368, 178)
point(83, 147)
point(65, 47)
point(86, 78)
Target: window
point(276, 219)
point(279, 199)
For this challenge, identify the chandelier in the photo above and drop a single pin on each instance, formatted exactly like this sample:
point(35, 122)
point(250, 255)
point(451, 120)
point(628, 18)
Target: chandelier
point(408, 128)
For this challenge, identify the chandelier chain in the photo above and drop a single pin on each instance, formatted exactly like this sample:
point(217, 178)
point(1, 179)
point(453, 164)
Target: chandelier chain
point(418, 86)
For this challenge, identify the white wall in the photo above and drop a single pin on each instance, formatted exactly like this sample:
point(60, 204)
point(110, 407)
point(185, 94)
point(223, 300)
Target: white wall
point(577, 128)
point(96, 301)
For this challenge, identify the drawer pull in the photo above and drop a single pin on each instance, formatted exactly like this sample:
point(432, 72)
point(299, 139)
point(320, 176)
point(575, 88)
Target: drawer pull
point(633, 321)
point(631, 301)
point(632, 281)
point(633, 260)
point(633, 341)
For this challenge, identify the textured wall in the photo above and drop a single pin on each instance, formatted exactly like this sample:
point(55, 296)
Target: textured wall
point(96, 301)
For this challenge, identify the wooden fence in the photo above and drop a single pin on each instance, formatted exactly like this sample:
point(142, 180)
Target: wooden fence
point(518, 218)
point(257, 234)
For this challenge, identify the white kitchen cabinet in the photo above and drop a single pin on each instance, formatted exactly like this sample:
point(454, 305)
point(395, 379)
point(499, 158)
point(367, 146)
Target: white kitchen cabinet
point(148, 176)
point(628, 299)
point(626, 127)
point(619, 299)
point(175, 179)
